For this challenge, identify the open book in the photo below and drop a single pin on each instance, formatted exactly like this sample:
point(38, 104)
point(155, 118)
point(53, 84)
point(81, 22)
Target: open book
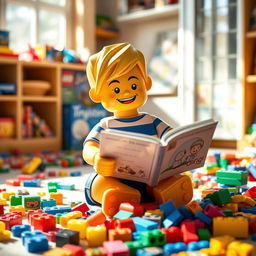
point(149, 159)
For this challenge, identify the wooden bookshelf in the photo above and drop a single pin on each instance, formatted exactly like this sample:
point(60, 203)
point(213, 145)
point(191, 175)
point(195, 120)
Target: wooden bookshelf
point(48, 106)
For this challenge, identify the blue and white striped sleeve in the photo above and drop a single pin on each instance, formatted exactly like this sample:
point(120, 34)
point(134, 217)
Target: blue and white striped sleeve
point(161, 127)
point(94, 134)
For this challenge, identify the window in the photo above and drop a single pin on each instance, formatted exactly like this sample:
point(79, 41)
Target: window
point(217, 84)
point(35, 22)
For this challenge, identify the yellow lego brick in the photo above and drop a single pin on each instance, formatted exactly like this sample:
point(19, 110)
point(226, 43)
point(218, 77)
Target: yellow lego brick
point(3, 202)
point(58, 252)
point(5, 235)
point(181, 254)
point(2, 226)
point(31, 166)
point(96, 235)
point(231, 206)
point(238, 199)
point(17, 208)
point(58, 197)
point(250, 201)
point(233, 226)
point(63, 173)
point(221, 242)
point(239, 248)
point(69, 216)
point(6, 195)
point(41, 194)
point(194, 207)
point(250, 216)
point(79, 225)
point(155, 212)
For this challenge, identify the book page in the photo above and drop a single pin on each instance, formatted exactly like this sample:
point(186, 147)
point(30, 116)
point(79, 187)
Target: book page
point(187, 150)
point(134, 156)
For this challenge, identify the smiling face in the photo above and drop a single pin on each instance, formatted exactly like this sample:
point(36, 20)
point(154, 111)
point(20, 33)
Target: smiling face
point(124, 94)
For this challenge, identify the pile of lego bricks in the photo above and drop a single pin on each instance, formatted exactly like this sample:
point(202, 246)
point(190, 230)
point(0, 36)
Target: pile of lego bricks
point(213, 225)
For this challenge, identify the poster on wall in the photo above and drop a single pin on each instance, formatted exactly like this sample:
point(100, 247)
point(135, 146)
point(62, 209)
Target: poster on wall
point(163, 65)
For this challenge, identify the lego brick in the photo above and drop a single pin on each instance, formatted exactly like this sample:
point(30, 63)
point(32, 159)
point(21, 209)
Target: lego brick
point(251, 192)
point(57, 209)
point(34, 241)
point(123, 215)
point(123, 234)
point(17, 208)
point(172, 234)
point(6, 195)
point(220, 197)
point(32, 183)
point(233, 226)
point(62, 173)
point(58, 252)
point(153, 217)
point(173, 219)
point(95, 236)
point(188, 230)
point(203, 217)
point(58, 197)
point(75, 174)
point(67, 236)
point(136, 209)
point(239, 248)
point(186, 213)
point(82, 207)
point(196, 246)
point(167, 207)
point(96, 218)
point(153, 238)
point(5, 235)
point(23, 177)
point(194, 206)
point(1, 209)
point(31, 213)
point(12, 182)
point(11, 219)
point(213, 211)
point(66, 186)
point(79, 225)
point(125, 223)
point(44, 222)
point(203, 234)
point(48, 202)
point(31, 166)
point(76, 250)
point(221, 242)
point(15, 200)
point(170, 249)
point(69, 216)
point(18, 229)
point(114, 248)
point(58, 215)
point(31, 202)
point(150, 251)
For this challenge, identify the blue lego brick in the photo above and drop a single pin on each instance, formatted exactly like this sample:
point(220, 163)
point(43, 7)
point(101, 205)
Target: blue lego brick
point(32, 183)
point(35, 241)
point(173, 219)
point(135, 235)
point(57, 209)
point(167, 208)
point(171, 248)
point(76, 173)
point(143, 224)
point(203, 244)
point(91, 212)
point(48, 203)
point(248, 209)
point(17, 230)
point(186, 213)
point(66, 186)
point(205, 202)
point(203, 217)
point(236, 168)
point(150, 251)
point(252, 169)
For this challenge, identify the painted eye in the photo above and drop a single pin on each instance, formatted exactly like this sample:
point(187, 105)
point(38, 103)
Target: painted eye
point(116, 90)
point(134, 86)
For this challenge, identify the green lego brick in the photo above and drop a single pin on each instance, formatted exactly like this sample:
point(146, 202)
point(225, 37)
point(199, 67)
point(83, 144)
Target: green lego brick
point(31, 202)
point(230, 181)
point(133, 246)
point(52, 187)
point(233, 189)
point(4, 170)
point(224, 163)
point(123, 215)
point(228, 213)
point(153, 237)
point(211, 166)
point(15, 200)
point(204, 234)
point(232, 174)
point(220, 197)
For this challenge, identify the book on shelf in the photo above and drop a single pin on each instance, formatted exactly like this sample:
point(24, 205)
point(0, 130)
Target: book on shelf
point(149, 159)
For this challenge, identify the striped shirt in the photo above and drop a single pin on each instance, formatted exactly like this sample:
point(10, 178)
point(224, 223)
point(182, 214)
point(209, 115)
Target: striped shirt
point(144, 123)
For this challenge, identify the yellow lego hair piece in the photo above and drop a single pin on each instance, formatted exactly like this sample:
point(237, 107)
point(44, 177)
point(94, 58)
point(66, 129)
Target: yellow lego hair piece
point(113, 61)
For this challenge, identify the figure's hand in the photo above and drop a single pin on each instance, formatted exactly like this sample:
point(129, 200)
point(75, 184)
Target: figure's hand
point(104, 166)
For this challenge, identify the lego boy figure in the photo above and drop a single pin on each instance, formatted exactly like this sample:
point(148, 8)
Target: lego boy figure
point(118, 80)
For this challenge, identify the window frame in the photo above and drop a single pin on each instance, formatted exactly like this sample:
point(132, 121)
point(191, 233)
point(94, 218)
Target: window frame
point(37, 5)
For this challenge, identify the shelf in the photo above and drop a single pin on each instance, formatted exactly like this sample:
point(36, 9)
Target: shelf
point(106, 34)
point(251, 34)
point(5, 60)
point(73, 66)
point(8, 98)
point(146, 15)
point(40, 98)
point(251, 79)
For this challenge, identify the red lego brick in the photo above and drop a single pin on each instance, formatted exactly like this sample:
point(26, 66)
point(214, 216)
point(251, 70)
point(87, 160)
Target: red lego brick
point(188, 229)
point(251, 192)
point(2, 190)
point(125, 223)
point(51, 174)
point(12, 182)
point(1, 209)
point(83, 208)
point(199, 224)
point(51, 235)
point(110, 224)
point(251, 178)
point(213, 211)
point(44, 222)
point(11, 219)
point(136, 209)
point(22, 177)
point(173, 234)
point(76, 250)
point(40, 176)
point(31, 213)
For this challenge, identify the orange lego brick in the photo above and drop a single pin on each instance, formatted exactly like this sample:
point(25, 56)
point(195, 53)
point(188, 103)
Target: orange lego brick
point(71, 215)
point(58, 197)
point(6, 195)
point(124, 234)
point(231, 206)
point(194, 207)
point(79, 225)
point(167, 189)
point(63, 173)
point(17, 208)
point(233, 226)
point(31, 166)
point(97, 218)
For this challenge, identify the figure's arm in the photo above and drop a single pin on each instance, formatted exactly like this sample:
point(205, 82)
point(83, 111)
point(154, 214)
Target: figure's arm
point(103, 166)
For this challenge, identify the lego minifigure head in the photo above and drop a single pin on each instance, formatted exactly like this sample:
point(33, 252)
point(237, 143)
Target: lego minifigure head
point(196, 146)
point(118, 78)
